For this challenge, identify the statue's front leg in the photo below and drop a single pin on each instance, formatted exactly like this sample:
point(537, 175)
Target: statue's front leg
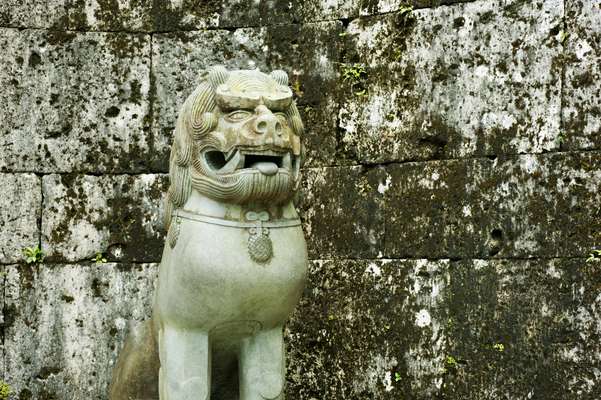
point(262, 366)
point(185, 372)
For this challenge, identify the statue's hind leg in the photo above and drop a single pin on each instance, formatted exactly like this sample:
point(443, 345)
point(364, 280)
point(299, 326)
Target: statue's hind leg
point(262, 366)
point(185, 364)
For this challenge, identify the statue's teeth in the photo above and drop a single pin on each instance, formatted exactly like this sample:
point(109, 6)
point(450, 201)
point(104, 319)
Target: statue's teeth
point(287, 161)
point(231, 153)
point(236, 161)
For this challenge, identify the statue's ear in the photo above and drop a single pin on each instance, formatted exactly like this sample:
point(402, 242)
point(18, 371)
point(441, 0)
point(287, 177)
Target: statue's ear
point(280, 77)
point(217, 75)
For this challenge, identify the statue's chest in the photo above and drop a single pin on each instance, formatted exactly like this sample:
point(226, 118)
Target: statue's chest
point(255, 233)
point(211, 266)
point(261, 251)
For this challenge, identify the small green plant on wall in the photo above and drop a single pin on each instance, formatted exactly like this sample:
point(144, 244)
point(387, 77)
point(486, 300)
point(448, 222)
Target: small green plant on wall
point(451, 361)
point(99, 258)
point(296, 87)
point(405, 9)
point(595, 256)
point(500, 347)
point(560, 139)
point(33, 255)
point(355, 74)
point(450, 364)
point(4, 390)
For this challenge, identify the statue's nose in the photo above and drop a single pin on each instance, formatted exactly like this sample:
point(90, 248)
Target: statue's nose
point(267, 123)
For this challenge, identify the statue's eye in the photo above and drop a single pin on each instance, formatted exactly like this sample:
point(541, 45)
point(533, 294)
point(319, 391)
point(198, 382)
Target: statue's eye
point(238, 115)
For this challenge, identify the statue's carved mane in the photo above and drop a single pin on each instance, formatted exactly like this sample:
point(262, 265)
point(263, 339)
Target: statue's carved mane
point(196, 119)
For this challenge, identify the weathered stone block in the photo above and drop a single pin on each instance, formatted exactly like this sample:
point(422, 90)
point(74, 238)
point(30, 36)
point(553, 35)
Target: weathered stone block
point(308, 53)
point(105, 15)
point(238, 13)
point(168, 16)
point(110, 15)
point(342, 212)
point(526, 206)
point(369, 329)
point(65, 325)
point(20, 206)
point(191, 15)
point(74, 101)
point(320, 139)
point(2, 319)
point(582, 86)
point(31, 13)
point(373, 7)
point(522, 329)
point(116, 215)
point(469, 79)
point(320, 10)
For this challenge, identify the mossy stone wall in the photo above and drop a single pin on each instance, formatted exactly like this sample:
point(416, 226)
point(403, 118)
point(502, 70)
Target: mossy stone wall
point(451, 194)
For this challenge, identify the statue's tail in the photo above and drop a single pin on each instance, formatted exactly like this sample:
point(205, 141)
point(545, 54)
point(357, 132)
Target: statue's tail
point(135, 377)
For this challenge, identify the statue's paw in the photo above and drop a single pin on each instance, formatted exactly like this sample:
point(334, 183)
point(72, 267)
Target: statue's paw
point(192, 388)
point(272, 386)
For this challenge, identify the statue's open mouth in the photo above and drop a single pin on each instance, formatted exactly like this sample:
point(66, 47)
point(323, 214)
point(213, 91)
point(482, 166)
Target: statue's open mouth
point(268, 162)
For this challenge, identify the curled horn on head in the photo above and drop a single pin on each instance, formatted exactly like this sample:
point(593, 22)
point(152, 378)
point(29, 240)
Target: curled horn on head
point(280, 77)
point(217, 76)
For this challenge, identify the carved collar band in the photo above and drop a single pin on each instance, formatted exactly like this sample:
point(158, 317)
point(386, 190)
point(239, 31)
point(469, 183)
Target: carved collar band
point(254, 219)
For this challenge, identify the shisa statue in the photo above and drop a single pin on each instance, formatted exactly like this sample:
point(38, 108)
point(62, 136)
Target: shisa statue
point(235, 259)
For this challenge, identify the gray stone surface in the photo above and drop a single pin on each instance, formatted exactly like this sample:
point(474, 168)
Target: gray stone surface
point(522, 329)
point(370, 329)
point(373, 7)
point(321, 10)
point(164, 16)
point(31, 13)
point(20, 206)
point(191, 15)
point(582, 86)
point(174, 15)
point(116, 215)
point(2, 320)
point(74, 101)
point(110, 15)
point(103, 15)
point(307, 53)
point(456, 330)
point(469, 79)
point(525, 206)
point(64, 325)
point(342, 212)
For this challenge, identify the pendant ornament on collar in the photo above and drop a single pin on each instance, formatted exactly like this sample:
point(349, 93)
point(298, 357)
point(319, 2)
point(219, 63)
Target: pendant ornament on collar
point(260, 247)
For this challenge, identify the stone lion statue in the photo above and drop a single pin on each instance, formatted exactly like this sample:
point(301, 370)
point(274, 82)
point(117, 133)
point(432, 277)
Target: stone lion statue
point(235, 259)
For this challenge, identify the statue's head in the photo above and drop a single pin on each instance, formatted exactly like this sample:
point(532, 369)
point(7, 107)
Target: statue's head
point(237, 139)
